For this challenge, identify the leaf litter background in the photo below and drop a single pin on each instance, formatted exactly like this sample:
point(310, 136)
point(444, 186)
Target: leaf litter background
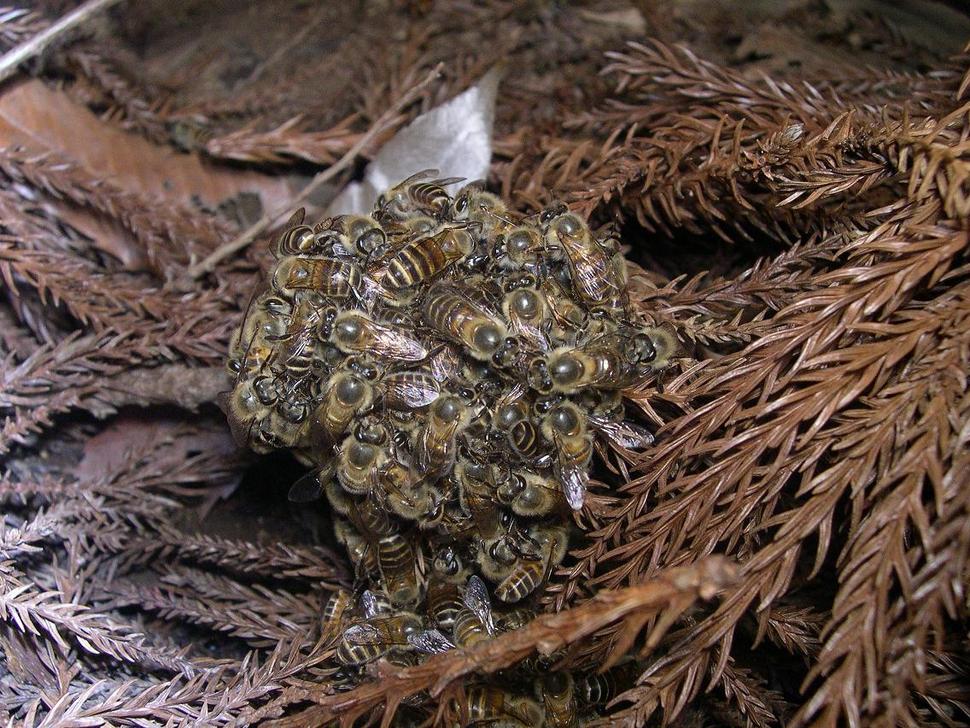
point(792, 182)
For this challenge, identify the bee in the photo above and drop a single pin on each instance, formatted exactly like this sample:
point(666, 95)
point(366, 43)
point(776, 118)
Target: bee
point(415, 194)
point(335, 611)
point(528, 574)
point(614, 359)
point(444, 593)
point(359, 464)
point(424, 259)
point(244, 410)
point(521, 247)
point(373, 638)
point(354, 332)
point(566, 315)
point(476, 496)
point(408, 497)
point(468, 629)
point(558, 692)
point(565, 427)
point(453, 315)
point(474, 203)
point(527, 313)
point(296, 238)
point(397, 560)
point(330, 277)
point(591, 266)
point(348, 235)
point(437, 446)
point(538, 497)
point(346, 395)
point(361, 553)
point(404, 391)
point(496, 706)
point(370, 520)
point(665, 346)
point(600, 688)
point(477, 600)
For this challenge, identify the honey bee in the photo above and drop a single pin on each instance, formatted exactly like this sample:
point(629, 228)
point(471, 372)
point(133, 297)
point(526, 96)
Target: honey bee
point(371, 639)
point(565, 427)
point(330, 277)
point(566, 315)
point(474, 203)
point(397, 561)
point(409, 390)
point(244, 410)
point(359, 464)
point(476, 496)
point(528, 574)
point(477, 600)
point(335, 611)
point(423, 259)
point(600, 688)
point(437, 445)
point(558, 691)
point(538, 497)
point(522, 247)
point(348, 235)
point(495, 706)
point(443, 597)
point(361, 552)
point(296, 238)
point(416, 194)
point(370, 520)
point(665, 346)
point(454, 316)
point(345, 396)
point(591, 266)
point(354, 332)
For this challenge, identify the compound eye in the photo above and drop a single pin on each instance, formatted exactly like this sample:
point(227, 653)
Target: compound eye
point(371, 240)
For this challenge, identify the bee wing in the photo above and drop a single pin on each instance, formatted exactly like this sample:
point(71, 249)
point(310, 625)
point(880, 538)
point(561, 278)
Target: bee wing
point(431, 641)
point(363, 634)
point(628, 435)
point(444, 363)
point(370, 605)
point(478, 601)
point(310, 487)
point(573, 479)
point(395, 344)
point(413, 389)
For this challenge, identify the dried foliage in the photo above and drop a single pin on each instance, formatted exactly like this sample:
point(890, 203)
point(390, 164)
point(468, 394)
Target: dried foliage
point(803, 230)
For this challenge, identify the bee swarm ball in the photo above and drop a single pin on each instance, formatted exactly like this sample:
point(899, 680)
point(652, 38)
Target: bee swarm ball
point(444, 367)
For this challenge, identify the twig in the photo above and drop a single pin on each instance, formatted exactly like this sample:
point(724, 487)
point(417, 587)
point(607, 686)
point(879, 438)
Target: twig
point(247, 237)
point(36, 45)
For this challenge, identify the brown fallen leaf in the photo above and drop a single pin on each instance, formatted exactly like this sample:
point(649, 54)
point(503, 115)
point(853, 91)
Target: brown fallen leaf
point(41, 119)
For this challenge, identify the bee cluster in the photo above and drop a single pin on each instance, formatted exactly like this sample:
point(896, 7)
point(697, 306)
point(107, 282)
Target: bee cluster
point(445, 367)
